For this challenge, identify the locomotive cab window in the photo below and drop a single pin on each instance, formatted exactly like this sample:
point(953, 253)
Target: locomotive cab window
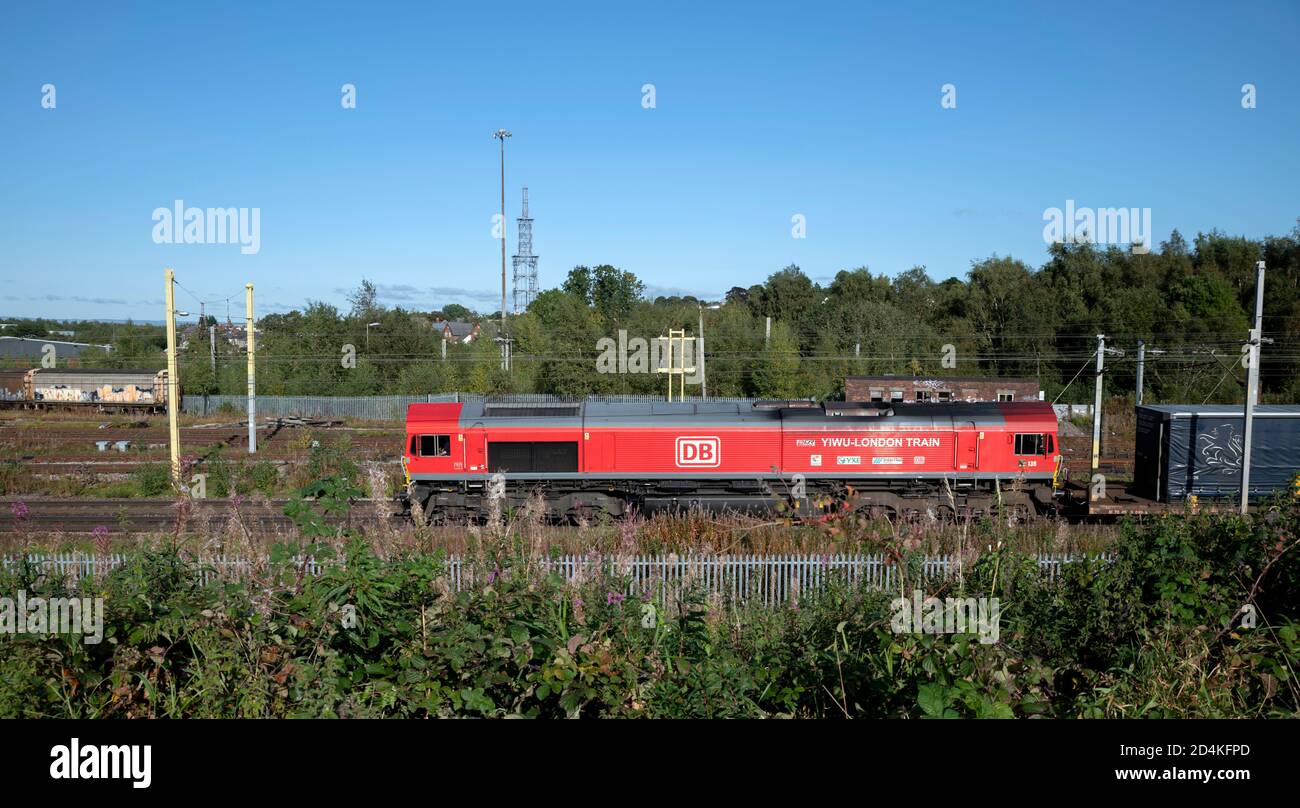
point(435, 445)
point(1030, 444)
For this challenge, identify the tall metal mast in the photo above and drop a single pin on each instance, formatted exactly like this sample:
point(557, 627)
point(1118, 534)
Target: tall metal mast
point(525, 263)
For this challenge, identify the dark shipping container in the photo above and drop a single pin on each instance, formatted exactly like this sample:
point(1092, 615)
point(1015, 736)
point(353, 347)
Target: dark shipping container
point(1196, 450)
point(12, 384)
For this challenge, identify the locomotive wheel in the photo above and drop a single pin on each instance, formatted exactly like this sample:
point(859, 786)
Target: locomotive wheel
point(883, 512)
point(944, 514)
point(588, 514)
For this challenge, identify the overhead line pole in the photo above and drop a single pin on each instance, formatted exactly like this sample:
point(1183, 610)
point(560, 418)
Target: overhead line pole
point(501, 135)
point(1096, 414)
point(1259, 309)
point(1252, 389)
point(1096, 411)
point(252, 372)
point(173, 428)
point(1252, 386)
point(1142, 355)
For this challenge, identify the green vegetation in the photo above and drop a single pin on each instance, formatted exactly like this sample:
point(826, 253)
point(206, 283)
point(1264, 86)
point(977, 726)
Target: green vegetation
point(225, 478)
point(1004, 318)
point(1157, 631)
point(13, 477)
point(152, 479)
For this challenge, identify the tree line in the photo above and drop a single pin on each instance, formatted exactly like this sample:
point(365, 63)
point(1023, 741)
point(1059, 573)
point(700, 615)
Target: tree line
point(789, 336)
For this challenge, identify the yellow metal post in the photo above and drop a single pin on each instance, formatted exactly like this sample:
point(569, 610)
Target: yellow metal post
point(173, 428)
point(679, 338)
point(672, 369)
point(1096, 418)
point(681, 377)
point(252, 374)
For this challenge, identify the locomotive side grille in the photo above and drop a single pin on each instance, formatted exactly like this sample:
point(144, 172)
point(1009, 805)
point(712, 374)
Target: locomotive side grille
point(532, 456)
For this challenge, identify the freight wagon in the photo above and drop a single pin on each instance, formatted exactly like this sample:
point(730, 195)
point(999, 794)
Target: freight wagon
point(12, 385)
point(51, 388)
point(1196, 450)
point(610, 458)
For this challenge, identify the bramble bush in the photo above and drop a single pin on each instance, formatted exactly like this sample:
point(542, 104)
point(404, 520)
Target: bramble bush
point(1157, 630)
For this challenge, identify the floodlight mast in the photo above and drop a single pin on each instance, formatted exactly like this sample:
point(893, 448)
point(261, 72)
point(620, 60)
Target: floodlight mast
point(501, 135)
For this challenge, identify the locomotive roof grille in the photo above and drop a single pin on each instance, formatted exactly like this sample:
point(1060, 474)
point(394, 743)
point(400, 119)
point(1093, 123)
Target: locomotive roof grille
point(785, 404)
point(531, 410)
point(858, 408)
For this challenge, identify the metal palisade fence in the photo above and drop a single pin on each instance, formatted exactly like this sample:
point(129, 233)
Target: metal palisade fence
point(370, 408)
point(381, 408)
point(767, 579)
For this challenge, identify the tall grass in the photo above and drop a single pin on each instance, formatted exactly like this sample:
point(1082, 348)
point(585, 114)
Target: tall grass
point(686, 532)
point(1157, 631)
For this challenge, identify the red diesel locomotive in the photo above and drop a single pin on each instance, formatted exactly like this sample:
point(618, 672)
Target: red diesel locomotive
point(593, 457)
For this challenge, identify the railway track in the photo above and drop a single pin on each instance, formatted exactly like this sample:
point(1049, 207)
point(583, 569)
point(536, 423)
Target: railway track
point(168, 515)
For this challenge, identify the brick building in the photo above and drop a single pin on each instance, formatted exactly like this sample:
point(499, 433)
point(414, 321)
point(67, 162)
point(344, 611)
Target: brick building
point(941, 388)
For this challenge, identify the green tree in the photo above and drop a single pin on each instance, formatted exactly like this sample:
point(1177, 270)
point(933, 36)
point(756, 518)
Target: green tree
point(614, 292)
point(1013, 314)
point(365, 302)
point(791, 297)
point(578, 284)
point(778, 373)
point(456, 313)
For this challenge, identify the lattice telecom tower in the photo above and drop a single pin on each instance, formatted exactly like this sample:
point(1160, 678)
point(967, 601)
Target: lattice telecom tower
point(525, 262)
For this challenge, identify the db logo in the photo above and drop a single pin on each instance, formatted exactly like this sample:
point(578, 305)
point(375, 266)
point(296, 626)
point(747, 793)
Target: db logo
point(699, 452)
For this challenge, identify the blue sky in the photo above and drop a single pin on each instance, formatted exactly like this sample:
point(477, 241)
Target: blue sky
point(763, 111)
